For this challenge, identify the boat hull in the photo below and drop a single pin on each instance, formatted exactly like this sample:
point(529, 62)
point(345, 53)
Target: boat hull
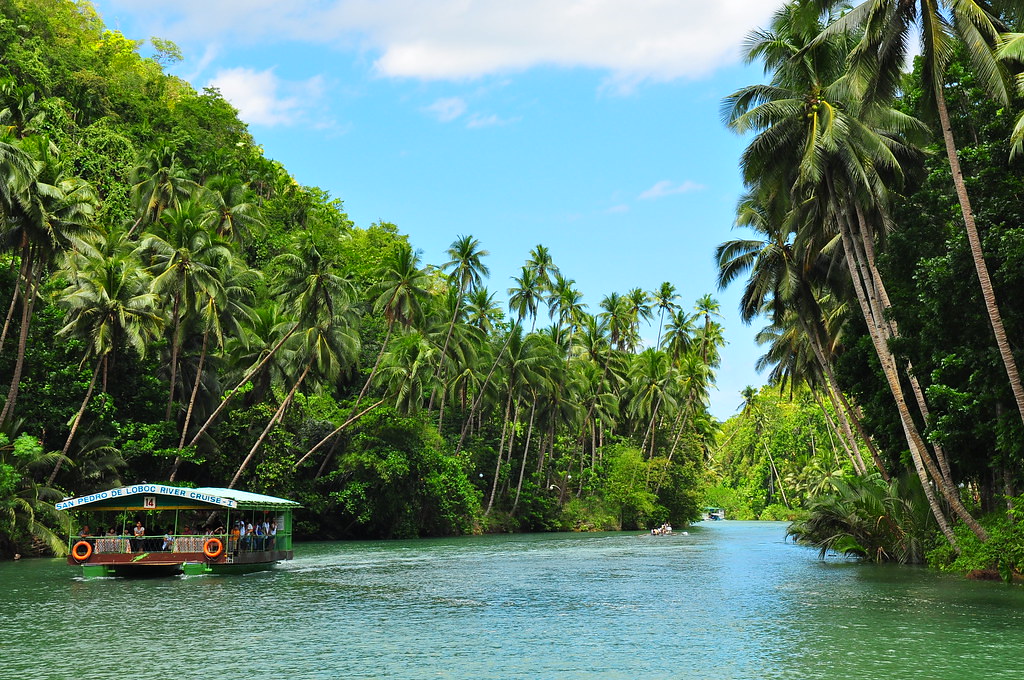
point(156, 564)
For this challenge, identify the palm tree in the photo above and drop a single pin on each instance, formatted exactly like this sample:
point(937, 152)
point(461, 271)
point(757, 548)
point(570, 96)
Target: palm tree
point(542, 266)
point(399, 296)
point(224, 305)
point(467, 271)
point(326, 343)
point(839, 157)
point(639, 304)
point(49, 212)
point(886, 29)
point(158, 183)
point(525, 297)
point(665, 302)
point(110, 306)
point(565, 302)
point(227, 200)
point(186, 262)
point(26, 504)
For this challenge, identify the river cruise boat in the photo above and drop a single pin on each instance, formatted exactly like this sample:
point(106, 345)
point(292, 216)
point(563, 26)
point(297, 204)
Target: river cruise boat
point(156, 529)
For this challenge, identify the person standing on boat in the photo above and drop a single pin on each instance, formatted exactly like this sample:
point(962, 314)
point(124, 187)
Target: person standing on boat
point(140, 533)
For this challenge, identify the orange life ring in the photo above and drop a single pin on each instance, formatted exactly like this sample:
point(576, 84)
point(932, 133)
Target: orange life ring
point(213, 548)
point(81, 551)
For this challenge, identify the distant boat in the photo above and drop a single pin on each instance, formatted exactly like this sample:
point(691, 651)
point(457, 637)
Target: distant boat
point(714, 513)
point(157, 529)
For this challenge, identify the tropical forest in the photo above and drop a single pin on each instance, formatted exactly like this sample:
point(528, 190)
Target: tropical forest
point(178, 309)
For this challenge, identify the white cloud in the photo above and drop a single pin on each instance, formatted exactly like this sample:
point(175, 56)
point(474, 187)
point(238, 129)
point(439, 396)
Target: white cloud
point(636, 41)
point(447, 109)
point(618, 209)
point(264, 99)
point(479, 120)
point(668, 188)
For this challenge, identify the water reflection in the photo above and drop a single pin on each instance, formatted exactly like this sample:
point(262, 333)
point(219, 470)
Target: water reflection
point(731, 600)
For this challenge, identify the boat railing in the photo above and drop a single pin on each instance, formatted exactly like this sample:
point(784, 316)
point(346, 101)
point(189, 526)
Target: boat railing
point(189, 543)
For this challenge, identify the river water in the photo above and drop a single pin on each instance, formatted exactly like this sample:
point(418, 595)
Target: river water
point(729, 600)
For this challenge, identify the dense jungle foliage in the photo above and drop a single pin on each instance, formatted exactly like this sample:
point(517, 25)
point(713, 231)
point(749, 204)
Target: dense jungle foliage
point(887, 258)
point(177, 308)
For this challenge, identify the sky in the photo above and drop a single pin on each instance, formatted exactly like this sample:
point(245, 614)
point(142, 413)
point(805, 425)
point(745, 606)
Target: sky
point(589, 126)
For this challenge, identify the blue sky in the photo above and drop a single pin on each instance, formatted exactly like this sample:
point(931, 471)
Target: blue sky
point(589, 126)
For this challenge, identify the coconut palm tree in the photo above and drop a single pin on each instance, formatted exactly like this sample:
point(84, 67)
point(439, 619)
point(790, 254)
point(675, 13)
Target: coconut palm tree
point(226, 198)
point(525, 297)
point(665, 302)
point(467, 271)
point(186, 261)
point(839, 155)
point(886, 30)
point(27, 513)
point(399, 297)
point(49, 212)
point(543, 267)
point(158, 183)
point(110, 306)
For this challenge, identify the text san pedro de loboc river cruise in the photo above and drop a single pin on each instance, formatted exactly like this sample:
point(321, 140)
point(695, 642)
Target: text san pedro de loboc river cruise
point(155, 529)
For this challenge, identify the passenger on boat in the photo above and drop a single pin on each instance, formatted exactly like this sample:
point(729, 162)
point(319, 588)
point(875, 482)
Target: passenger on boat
point(259, 537)
point(84, 533)
point(111, 531)
point(140, 535)
point(272, 536)
point(236, 537)
point(168, 545)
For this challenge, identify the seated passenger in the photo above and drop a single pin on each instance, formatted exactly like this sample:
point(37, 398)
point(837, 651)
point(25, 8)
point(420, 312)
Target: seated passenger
point(168, 544)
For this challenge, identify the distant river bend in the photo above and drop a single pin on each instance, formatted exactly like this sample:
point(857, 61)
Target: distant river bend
point(730, 600)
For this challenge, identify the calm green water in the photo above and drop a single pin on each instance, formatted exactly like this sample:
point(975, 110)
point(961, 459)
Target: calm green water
point(731, 600)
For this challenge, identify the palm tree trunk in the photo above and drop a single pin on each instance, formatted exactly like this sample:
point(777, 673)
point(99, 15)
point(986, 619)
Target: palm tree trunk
point(248, 376)
point(977, 254)
point(27, 303)
point(78, 420)
point(859, 276)
point(444, 349)
point(376, 364)
point(501, 451)
point(526, 453)
point(834, 428)
point(191, 405)
point(880, 308)
point(338, 429)
point(480, 395)
point(175, 330)
point(273, 421)
point(22, 278)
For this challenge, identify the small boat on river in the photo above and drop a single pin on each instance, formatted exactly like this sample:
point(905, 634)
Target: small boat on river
point(157, 529)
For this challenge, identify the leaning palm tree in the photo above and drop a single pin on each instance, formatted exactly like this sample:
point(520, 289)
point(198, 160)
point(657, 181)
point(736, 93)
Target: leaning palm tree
point(887, 29)
point(838, 157)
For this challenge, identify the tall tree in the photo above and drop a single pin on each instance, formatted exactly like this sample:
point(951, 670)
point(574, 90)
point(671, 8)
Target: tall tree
point(887, 30)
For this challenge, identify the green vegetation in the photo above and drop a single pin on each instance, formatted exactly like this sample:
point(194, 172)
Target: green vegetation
point(879, 201)
point(178, 308)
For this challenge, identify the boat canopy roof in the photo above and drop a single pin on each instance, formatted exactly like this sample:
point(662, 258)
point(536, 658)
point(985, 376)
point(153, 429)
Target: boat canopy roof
point(166, 497)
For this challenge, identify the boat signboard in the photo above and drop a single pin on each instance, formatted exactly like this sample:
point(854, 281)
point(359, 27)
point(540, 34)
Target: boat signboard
point(150, 491)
